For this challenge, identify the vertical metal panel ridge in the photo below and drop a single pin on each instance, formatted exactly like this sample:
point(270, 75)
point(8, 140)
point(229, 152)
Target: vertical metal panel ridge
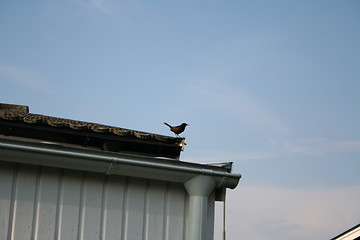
point(103, 212)
point(36, 206)
point(186, 215)
point(92, 202)
point(145, 212)
point(12, 203)
point(24, 200)
point(114, 211)
point(176, 205)
point(166, 212)
point(70, 201)
point(155, 210)
point(80, 233)
point(58, 214)
point(135, 209)
point(47, 203)
point(124, 207)
point(6, 182)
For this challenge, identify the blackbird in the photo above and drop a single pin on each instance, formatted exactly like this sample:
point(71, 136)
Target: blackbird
point(177, 129)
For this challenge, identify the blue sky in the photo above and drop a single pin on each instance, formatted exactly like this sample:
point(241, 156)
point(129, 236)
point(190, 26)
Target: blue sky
point(271, 85)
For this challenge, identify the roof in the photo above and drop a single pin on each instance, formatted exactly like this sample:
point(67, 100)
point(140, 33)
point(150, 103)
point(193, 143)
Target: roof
point(16, 121)
point(351, 234)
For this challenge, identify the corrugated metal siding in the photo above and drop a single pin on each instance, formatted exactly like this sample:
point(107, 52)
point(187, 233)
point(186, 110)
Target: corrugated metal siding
point(48, 203)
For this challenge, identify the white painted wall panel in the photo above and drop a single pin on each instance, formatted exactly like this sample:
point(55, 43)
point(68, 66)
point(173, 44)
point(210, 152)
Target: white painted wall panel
point(70, 205)
point(175, 213)
point(92, 207)
point(7, 172)
point(155, 210)
point(113, 204)
point(48, 203)
point(135, 206)
point(24, 203)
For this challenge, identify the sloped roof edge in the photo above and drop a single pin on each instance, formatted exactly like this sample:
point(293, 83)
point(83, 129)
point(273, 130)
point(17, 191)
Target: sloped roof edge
point(16, 120)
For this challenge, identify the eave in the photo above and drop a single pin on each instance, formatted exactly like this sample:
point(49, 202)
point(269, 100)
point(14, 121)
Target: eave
point(110, 163)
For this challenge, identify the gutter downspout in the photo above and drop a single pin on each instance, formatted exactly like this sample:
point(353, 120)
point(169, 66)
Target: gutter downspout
point(198, 189)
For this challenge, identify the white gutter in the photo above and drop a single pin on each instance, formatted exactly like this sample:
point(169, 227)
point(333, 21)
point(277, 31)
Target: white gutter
point(110, 163)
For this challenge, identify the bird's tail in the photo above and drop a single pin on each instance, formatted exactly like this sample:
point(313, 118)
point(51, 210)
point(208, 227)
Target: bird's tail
point(167, 124)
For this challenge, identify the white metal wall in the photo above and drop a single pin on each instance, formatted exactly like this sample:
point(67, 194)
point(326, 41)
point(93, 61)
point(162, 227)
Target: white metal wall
point(49, 203)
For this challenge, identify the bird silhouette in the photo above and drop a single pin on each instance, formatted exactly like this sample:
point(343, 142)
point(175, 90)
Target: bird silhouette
point(177, 129)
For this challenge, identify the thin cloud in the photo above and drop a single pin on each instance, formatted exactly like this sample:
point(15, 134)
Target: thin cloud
point(260, 212)
point(101, 6)
point(236, 103)
point(320, 146)
point(229, 156)
point(108, 8)
point(280, 148)
point(24, 78)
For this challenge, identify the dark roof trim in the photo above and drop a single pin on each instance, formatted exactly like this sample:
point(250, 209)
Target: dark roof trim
point(16, 121)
